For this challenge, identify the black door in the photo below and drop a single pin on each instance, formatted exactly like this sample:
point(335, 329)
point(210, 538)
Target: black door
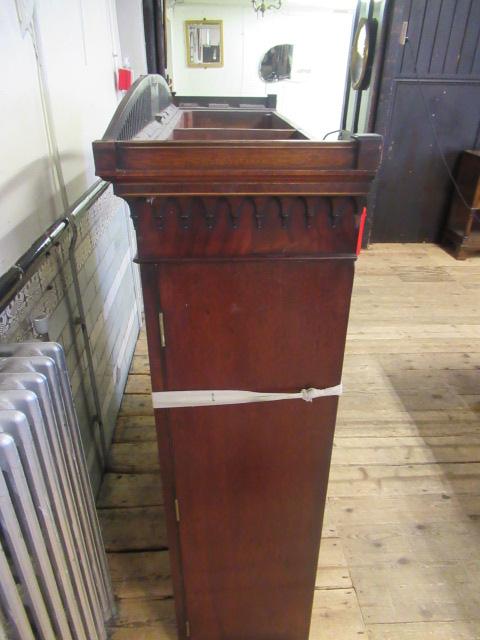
point(429, 104)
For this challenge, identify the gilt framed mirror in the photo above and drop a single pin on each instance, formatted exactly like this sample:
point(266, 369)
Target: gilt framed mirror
point(204, 43)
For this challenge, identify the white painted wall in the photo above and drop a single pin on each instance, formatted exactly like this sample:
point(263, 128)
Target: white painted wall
point(320, 33)
point(132, 35)
point(77, 40)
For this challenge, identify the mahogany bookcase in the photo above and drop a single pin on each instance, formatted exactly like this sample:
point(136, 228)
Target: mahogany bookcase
point(247, 233)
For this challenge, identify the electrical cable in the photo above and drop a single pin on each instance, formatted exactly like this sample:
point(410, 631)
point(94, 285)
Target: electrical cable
point(334, 131)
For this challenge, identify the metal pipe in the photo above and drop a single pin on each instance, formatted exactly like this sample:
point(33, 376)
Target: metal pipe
point(16, 276)
point(82, 321)
point(12, 281)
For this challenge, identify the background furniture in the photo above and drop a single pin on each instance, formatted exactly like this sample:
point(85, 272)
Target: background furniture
point(463, 225)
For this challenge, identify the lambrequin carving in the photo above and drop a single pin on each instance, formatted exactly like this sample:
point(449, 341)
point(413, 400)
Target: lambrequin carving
point(188, 227)
point(261, 211)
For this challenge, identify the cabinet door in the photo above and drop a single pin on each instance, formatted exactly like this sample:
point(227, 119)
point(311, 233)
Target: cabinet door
point(251, 479)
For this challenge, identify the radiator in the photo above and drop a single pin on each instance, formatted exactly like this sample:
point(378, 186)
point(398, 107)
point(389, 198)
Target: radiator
point(54, 578)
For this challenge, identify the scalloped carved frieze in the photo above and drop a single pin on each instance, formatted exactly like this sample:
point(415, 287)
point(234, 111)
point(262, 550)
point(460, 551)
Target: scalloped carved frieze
point(262, 211)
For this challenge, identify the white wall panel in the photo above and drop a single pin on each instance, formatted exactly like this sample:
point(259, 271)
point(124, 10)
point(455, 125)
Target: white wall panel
point(27, 202)
point(77, 42)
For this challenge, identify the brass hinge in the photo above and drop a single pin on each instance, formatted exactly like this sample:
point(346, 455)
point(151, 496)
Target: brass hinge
point(177, 510)
point(403, 33)
point(187, 629)
point(161, 324)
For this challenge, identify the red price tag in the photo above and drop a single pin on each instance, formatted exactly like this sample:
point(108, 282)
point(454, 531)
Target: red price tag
point(124, 79)
point(361, 229)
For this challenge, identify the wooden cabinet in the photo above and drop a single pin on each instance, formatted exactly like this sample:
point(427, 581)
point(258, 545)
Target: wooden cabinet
point(463, 226)
point(247, 234)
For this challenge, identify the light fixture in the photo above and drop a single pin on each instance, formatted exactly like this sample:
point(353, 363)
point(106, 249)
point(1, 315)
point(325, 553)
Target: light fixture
point(260, 6)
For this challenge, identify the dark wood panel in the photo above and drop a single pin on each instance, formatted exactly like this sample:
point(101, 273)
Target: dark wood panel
point(235, 134)
point(250, 520)
point(265, 102)
point(249, 226)
point(476, 60)
point(149, 275)
point(240, 119)
point(239, 167)
point(415, 14)
point(252, 479)
point(427, 36)
point(442, 36)
point(413, 186)
point(460, 19)
point(271, 155)
point(274, 326)
point(429, 91)
point(470, 43)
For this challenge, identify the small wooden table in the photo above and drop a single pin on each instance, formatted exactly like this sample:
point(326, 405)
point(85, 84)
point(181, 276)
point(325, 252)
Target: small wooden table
point(247, 234)
point(463, 227)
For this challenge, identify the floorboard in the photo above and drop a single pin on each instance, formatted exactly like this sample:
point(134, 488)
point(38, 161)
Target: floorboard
point(400, 554)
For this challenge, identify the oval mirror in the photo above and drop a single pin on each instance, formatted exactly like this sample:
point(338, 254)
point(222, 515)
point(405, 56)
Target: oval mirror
point(276, 64)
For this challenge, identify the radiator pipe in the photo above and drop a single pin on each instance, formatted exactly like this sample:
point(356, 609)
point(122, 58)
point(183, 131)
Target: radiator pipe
point(82, 321)
point(13, 280)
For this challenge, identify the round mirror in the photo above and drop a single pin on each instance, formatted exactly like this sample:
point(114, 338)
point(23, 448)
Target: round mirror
point(359, 62)
point(276, 64)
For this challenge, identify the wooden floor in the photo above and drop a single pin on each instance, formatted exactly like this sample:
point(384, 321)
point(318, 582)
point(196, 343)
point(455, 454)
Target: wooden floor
point(400, 555)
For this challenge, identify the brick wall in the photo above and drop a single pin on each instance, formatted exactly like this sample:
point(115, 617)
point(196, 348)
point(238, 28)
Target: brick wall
point(110, 288)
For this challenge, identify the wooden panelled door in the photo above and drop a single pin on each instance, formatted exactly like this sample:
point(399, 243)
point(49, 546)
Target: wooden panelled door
point(263, 325)
point(429, 98)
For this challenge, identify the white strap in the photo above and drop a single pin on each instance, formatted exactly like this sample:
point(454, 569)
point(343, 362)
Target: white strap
point(173, 399)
